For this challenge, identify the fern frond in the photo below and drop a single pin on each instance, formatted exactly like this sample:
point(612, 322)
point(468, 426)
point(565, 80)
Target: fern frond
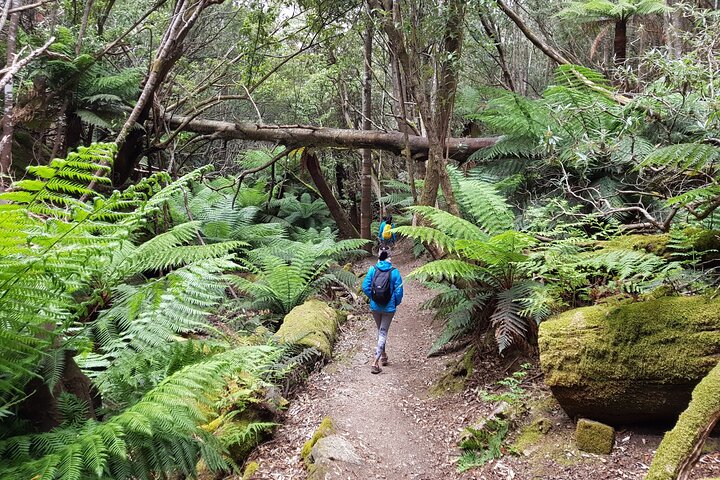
point(683, 156)
point(448, 269)
point(447, 223)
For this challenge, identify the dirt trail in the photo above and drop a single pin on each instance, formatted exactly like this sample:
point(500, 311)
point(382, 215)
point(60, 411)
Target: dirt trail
point(397, 428)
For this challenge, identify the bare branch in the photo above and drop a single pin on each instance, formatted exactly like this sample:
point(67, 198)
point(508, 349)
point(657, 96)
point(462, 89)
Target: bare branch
point(15, 67)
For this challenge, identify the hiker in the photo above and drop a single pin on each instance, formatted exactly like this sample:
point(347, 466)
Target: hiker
point(386, 237)
point(383, 286)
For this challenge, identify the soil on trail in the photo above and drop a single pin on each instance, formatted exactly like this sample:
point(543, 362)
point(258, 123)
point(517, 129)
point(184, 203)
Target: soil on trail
point(397, 428)
point(401, 431)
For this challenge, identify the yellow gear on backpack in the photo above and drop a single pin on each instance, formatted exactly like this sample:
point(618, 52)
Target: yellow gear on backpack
point(387, 232)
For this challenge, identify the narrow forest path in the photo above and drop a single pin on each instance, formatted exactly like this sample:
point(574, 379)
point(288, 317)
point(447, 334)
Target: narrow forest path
point(398, 429)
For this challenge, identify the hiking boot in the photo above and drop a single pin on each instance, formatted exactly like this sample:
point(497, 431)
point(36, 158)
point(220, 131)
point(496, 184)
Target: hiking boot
point(384, 359)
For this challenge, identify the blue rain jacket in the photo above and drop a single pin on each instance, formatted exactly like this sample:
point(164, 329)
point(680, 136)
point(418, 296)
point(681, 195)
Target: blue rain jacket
point(396, 282)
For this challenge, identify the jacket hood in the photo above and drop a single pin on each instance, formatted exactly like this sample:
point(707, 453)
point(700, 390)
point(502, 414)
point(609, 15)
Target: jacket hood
point(383, 265)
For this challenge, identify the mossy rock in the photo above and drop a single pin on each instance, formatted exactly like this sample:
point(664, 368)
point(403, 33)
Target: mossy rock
point(633, 363)
point(454, 379)
point(707, 242)
point(250, 470)
point(326, 427)
point(531, 436)
point(594, 437)
point(314, 324)
point(656, 244)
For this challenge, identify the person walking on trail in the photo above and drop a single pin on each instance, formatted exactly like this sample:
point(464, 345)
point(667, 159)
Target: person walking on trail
point(383, 286)
point(386, 237)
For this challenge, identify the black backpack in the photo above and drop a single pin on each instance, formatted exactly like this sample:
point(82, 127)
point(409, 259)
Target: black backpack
point(381, 290)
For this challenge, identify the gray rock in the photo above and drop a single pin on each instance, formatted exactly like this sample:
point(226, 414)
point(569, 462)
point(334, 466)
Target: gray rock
point(334, 448)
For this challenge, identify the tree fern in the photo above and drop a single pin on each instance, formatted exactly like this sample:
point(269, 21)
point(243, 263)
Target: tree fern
point(286, 273)
point(160, 433)
point(73, 278)
point(687, 156)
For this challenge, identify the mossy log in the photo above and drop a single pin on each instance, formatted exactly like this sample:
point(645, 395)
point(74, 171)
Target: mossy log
point(314, 324)
point(681, 447)
point(633, 363)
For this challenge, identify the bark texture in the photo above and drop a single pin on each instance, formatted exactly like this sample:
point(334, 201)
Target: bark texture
point(365, 181)
point(347, 230)
point(7, 119)
point(681, 447)
point(311, 136)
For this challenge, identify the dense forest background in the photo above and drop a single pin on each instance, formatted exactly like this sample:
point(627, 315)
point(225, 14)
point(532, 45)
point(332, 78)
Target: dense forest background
point(179, 175)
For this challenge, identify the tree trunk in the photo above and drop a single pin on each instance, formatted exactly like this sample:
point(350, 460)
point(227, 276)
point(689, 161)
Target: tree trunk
point(41, 407)
point(435, 108)
point(552, 53)
point(347, 230)
point(311, 136)
point(491, 32)
point(171, 47)
point(366, 178)
point(6, 140)
point(400, 110)
point(620, 41)
point(682, 446)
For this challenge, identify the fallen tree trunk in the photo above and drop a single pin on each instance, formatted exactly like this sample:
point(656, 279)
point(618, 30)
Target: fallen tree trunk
point(681, 447)
point(311, 136)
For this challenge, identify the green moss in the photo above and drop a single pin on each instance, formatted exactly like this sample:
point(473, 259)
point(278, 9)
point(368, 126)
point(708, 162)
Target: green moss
point(622, 343)
point(453, 381)
point(250, 470)
point(703, 240)
point(531, 435)
point(678, 443)
point(317, 472)
point(313, 324)
point(594, 437)
point(327, 427)
point(656, 244)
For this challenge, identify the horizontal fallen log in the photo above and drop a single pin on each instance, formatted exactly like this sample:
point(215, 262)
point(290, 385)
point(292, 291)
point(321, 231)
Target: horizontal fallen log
point(311, 136)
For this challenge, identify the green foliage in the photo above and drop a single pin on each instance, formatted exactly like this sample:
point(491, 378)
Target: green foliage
point(159, 433)
point(514, 393)
point(483, 445)
point(285, 274)
point(485, 285)
point(302, 211)
point(603, 10)
point(487, 441)
point(117, 282)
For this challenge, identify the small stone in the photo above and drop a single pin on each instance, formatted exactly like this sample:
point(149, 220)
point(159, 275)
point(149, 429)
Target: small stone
point(334, 448)
point(594, 437)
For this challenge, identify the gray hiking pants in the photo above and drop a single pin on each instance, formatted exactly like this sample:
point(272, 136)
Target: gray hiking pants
point(382, 320)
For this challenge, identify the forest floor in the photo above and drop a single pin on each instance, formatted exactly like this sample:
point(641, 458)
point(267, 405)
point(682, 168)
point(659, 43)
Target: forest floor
point(400, 430)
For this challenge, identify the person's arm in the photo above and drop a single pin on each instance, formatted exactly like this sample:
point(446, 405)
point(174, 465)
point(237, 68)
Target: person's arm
point(380, 231)
point(367, 283)
point(397, 287)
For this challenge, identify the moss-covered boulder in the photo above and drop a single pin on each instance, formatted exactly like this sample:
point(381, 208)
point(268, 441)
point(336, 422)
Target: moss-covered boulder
point(594, 437)
point(312, 324)
point(656, 244)
point(633, 363)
